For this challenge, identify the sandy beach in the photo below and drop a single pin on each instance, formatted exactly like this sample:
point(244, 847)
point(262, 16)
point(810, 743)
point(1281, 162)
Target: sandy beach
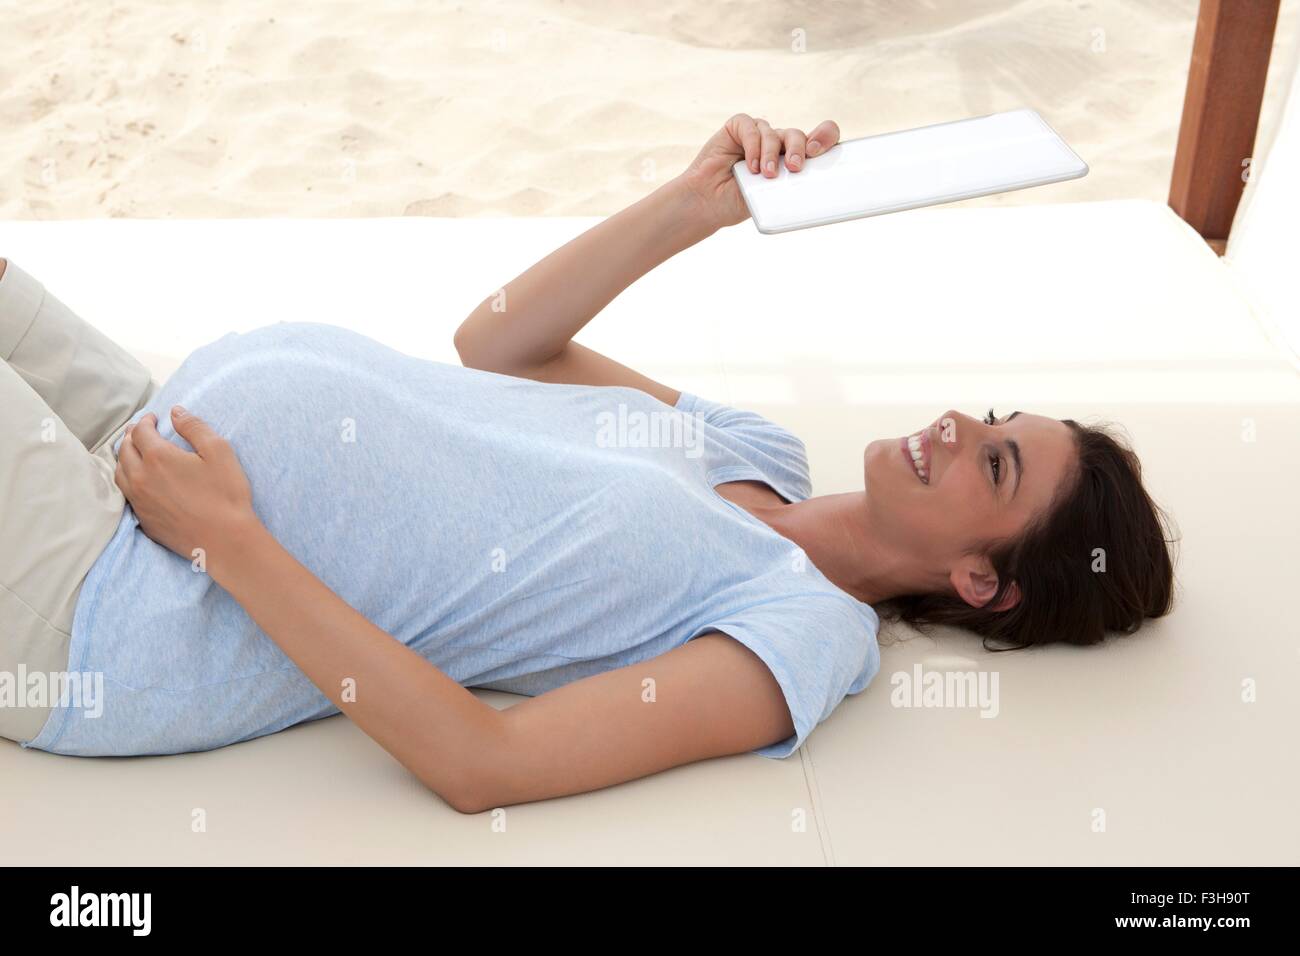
point(539, 107)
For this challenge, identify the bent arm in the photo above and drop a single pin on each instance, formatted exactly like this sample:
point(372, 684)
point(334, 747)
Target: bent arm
point(710, 697)
point(707, 698)
point(434, 727)
point(526, 328)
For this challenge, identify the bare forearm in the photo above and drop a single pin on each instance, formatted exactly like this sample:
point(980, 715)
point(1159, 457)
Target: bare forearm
point(434, 727)
point(533, 317)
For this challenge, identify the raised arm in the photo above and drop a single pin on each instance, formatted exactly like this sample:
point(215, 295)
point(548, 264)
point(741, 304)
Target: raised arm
point(526, 328)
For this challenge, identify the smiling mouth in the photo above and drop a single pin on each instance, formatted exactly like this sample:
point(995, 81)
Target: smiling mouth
point(916, 449)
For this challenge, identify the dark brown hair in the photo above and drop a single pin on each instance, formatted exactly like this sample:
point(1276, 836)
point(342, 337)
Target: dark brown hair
point(1097, 560)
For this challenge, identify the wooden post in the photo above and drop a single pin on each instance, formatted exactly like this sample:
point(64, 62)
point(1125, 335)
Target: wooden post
point(1225, 88)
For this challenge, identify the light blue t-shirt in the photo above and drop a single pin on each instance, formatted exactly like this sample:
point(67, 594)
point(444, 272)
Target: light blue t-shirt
point(517, 534)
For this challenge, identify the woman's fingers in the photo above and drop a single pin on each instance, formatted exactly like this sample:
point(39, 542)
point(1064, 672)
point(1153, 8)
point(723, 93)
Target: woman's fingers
point(826, 135)
point(201, 436)
point(144, 435)
point(771, 147)
point(140, 439)
point(795, 144)
point(128, 460)
point(745, 131)
point(763, 145)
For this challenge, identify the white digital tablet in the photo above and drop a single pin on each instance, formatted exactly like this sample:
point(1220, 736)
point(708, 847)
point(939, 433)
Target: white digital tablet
point(926, 166)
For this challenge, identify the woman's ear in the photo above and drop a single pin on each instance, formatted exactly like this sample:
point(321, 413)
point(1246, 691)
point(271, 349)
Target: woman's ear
point(976, 582)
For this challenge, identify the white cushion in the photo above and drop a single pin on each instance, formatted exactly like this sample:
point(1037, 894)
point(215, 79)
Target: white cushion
point(845, 334)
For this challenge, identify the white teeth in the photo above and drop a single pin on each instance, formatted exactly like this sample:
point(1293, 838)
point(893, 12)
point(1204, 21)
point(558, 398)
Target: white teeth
point(915, 446)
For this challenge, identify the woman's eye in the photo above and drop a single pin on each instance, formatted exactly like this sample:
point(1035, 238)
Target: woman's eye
point(996, 463)
point(990, 418)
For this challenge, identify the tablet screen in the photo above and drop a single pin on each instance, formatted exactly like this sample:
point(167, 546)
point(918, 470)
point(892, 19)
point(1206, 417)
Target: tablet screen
point(926, 166)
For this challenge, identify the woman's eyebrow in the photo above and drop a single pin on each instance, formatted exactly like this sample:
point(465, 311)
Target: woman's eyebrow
point(1014, 446)
point(1015, 456)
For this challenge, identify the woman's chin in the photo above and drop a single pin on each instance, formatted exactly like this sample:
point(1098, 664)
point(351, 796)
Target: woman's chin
point(875, 463)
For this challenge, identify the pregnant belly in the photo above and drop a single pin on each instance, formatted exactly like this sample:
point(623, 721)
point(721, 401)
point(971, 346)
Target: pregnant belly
point(326, 428)
point(329, 426)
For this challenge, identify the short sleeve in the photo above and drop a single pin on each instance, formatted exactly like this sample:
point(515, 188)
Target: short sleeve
point(820, 647)
point(773, 450)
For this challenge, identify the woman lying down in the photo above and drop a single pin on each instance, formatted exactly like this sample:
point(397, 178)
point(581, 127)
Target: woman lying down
point(320, 524)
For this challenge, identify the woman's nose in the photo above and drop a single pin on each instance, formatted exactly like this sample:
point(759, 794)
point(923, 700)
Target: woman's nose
point(951, 425)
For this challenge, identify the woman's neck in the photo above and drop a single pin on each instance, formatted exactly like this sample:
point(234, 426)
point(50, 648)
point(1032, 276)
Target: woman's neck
point(835, 532)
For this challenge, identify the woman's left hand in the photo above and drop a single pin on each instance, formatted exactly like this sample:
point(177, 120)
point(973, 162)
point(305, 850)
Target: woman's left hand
point(709, 177)
point(184, 500)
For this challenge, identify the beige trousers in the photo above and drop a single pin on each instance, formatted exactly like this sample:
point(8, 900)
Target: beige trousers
point(66, 394)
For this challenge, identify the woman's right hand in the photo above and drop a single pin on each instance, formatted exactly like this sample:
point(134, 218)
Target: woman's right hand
point(709, 176)
point(189, 502)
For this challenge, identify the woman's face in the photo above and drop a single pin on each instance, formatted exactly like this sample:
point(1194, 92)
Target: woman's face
point(973, 481)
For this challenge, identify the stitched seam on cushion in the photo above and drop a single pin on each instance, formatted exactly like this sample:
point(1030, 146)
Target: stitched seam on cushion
point(815, 796)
